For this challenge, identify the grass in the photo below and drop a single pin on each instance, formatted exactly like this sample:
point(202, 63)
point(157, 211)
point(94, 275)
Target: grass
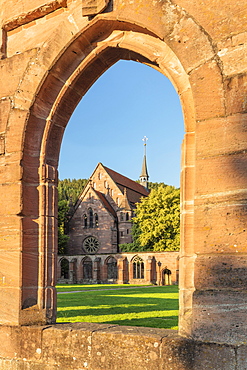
point(71, 288)
point(148, 306)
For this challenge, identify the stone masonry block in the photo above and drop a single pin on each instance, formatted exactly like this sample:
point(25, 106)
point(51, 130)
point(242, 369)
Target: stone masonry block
point(241, 357)
point(221, 174)
point(211, 310)
point(211, 356)
point(5, 106)
point(10, 199)
point(220, 227)
point(206, 82)
point(69, 345)
point(10, 231)
point(235, 94)
point(221, 271)
point(16, 124)
point(177, 353)
point(12, 70)
point(221, 136)
point(140, 349)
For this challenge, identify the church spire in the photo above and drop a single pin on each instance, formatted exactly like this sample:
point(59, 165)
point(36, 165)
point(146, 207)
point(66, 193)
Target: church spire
point(144, 174)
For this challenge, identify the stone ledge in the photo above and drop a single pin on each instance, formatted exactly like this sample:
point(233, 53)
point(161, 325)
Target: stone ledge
point(95, 346)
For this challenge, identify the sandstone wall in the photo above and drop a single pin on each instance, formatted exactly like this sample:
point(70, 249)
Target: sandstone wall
point(52, 52)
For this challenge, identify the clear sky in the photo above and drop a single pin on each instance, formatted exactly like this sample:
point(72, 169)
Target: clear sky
point(128, 102)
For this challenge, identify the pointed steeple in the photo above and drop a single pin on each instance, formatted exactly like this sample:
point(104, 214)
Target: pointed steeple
point(144, 173)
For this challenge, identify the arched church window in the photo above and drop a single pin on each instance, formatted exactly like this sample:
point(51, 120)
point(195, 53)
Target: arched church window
point(64, 268)
point(96, 220)
point(87, 268)
point(121, 216)
point(90, 213)
point(112, 268)
point(138, 268)
point(127, 216)
point(85, 221)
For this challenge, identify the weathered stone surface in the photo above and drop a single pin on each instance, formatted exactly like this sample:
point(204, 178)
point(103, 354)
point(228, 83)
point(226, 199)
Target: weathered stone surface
point(92, 7)
point(211, 310)
point(69, 345)
point(142, 347)
point(51, 55)
point(213, 356)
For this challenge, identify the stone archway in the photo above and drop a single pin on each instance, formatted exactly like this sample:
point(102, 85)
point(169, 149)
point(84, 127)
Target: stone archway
point(119, 44)
point(47, 80)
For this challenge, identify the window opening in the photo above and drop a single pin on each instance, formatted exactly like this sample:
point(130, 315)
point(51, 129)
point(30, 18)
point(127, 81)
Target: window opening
point(64, 268)
point(138, 268)
point(112, 268)
point(87, 269)
point(90, 212)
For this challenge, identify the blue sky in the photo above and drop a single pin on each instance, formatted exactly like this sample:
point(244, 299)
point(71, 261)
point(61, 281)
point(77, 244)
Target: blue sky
point(128, 102)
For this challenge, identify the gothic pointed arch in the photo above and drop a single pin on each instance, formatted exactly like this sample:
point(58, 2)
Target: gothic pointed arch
point(52, 108)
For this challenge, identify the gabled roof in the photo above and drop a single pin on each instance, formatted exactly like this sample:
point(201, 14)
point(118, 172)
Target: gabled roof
point(127, 183)
point(105, 203)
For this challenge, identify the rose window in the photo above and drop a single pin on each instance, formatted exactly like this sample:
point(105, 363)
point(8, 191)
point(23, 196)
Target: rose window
point(91, 244)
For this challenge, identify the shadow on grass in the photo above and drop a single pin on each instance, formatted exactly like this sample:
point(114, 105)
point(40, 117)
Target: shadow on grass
point(152, 307)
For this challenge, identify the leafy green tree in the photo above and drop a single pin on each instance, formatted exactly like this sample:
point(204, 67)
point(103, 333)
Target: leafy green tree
point(63, 209)
point(158, 220)
point(68, 191)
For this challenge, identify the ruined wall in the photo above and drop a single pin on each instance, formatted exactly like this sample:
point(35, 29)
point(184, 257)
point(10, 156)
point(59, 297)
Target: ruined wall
point(52, 52)
point(104, 346)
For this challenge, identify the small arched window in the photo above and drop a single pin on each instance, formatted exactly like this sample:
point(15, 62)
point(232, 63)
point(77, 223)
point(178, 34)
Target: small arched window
point(90, 213)
point(64, 268)
point(121, 216)
point(112, 268)
point(85, 220)
point(127, 216)
point(87, 268)
point(96, 220)
point(138, 268)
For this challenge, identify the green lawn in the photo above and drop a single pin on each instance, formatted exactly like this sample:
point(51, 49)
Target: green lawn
point(132, 305)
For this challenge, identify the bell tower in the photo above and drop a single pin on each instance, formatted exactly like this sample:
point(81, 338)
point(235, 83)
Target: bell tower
point(144, 173)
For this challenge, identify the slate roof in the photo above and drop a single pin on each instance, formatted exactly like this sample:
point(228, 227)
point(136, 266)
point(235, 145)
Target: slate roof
point(105, 203)
point(127, 183)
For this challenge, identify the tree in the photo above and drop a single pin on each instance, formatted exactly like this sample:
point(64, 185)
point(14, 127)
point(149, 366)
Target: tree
point(68, 190)
point(158, 220)
point(63, 209)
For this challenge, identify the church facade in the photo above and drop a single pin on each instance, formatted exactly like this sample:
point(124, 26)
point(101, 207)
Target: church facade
point(99, 223)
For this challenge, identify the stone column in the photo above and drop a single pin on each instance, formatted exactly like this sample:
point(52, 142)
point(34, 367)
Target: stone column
point(96, 269)
point(219, 301)
point(121, 271)
point(148, 270)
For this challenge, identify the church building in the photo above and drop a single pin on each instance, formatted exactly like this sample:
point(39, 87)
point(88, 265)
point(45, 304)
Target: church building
point(101, 218)
point(99, 223)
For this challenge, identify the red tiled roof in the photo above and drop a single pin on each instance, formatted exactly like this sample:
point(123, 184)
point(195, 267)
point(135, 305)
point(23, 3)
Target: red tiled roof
point(126, 182)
